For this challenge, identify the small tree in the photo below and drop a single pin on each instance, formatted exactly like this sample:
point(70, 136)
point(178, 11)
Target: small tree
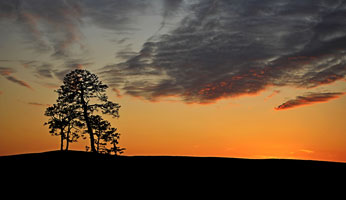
point(56, 123)
point(112, 137)
point(72, 134)
point(107, 138)
point(88, 95)
point(63, 119)
point(99, 126)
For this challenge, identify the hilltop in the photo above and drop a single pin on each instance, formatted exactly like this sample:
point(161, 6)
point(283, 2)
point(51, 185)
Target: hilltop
point(132, 174)
point(166, 163)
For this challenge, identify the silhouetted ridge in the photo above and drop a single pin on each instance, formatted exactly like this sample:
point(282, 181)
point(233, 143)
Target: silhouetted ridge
point(73, 157)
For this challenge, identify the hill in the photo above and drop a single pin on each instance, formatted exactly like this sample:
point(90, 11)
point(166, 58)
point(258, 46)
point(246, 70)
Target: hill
point(78, 169)
point(56, 159)
point(84, 167)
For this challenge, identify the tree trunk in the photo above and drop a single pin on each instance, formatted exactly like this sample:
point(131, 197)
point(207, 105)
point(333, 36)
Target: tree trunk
point(98, 144)
point(87, 121)
point(115, 149)
point(68, 137)
point(62, 139)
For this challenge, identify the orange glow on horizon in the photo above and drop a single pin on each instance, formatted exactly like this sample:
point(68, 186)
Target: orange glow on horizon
point(219, 129)
point(189, 78)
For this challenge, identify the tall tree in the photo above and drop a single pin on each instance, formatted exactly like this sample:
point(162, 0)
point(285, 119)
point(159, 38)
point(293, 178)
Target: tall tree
point(88, 95)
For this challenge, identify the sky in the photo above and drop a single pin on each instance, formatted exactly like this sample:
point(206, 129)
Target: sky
point(227, 78)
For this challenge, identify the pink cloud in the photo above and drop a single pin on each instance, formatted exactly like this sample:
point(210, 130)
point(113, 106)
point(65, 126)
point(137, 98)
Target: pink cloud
point(117, 92)
point(6, 72)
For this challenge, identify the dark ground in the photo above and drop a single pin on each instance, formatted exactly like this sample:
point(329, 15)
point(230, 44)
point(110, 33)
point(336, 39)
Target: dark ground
point(162, 163)
point(143, 171)
point(82, 172)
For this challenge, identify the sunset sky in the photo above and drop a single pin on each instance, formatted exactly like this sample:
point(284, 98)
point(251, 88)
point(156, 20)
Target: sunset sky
point(230, 78)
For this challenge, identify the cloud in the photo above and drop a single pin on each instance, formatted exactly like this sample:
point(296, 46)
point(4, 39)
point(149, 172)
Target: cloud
point(28, 64)
point(114, 15)
point(70, 65)
point(275, 92)
point(50, 85)
point(56, 26)
point(6, 72)
point(117, 92)
point(309, 99)
point(46, 25)
point(19, 82)
point(38, 104)
point(224, 49)
point(170, 9)
point(43, 69)
point(306, 151)
point(219, 48)
point(126, 53)
point(40, 69)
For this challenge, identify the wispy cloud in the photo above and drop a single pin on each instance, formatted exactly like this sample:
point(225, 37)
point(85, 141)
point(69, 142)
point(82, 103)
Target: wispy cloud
point(275, 92)
point(48, 70)
point(56, 26)
point(20, 82)
point(306, 151)
point(38, 104)
point(47, 26)
point(309, 99)
point(6, 72)
point(50, 85)
point(117, 92)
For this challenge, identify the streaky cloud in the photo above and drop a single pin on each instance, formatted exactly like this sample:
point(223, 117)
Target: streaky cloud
point(38, 104)
point(46, 25)
point(19, 82)
point(6, 72)
point(117, 92)
point(56, 26)
point(309, 99)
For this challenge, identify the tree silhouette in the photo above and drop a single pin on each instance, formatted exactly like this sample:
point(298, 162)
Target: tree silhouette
point(63, 120)
point(99, 126)
point(83, 92)
point(105, 136)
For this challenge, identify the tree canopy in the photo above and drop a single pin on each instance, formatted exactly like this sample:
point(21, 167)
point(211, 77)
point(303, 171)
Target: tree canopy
point(81, 99)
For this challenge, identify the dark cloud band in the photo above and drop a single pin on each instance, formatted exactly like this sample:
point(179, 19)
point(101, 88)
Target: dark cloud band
point(309, 99)
point(230, 48)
